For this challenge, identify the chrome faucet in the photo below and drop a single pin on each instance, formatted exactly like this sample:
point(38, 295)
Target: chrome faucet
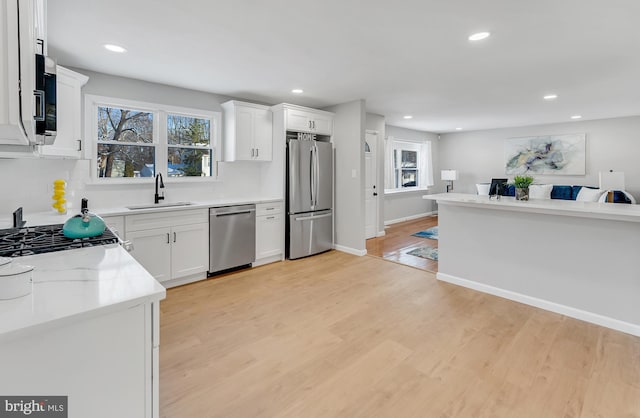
point(157, 197)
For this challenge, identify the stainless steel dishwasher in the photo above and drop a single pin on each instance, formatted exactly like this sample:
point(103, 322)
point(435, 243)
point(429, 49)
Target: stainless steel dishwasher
point(232, 237)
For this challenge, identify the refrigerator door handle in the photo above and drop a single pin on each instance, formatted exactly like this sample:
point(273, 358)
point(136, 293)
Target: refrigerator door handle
point(310, 218)
point(312, 176)
point(317, 174)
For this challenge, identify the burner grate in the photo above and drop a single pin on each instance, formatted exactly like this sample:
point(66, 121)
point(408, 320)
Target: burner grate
point(16, 242)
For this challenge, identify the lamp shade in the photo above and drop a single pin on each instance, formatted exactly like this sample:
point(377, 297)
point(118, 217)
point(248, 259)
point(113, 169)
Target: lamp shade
point(611, 180)
point(449, 175)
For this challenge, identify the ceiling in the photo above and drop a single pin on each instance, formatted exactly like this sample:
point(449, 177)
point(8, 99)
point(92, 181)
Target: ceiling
point(404, 57)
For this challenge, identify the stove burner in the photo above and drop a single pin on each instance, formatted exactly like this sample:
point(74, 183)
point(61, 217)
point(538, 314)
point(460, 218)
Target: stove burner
point(17, 242)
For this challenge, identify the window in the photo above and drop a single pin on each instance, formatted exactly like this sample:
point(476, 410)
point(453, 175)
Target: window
point(407, 165)
point(138, 140)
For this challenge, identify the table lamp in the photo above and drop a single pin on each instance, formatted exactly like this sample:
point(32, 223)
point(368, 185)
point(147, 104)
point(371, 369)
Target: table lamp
point(611, 181)
point(450, 176)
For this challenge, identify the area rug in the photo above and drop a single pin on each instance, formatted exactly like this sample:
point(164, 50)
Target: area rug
point(425, 252)
point(431, 233)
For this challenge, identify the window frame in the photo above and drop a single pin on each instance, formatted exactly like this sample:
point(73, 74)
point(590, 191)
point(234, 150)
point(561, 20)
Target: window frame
point(160, 138)
point(399, 145)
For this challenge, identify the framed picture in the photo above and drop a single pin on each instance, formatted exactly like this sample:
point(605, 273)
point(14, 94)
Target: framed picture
point(551, 154)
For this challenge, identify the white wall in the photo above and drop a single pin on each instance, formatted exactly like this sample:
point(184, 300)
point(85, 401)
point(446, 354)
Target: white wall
point(348, 139)
point(408, 205)
point(612, 144)
point(376, 123)
point(28, 183)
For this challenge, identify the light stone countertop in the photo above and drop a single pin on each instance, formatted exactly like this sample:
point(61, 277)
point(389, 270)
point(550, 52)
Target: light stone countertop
point(611, 211)
point(49, 218)
point(75, 285)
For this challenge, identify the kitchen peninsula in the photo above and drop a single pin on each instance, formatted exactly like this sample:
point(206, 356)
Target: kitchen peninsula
point(574, 258)
point(89, 330)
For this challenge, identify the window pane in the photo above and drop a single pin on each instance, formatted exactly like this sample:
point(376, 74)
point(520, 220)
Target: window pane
point(185, 130)
point(409, 159)
point(126, 161)
point(185, 162)
point(124, 125)
point(409, 178)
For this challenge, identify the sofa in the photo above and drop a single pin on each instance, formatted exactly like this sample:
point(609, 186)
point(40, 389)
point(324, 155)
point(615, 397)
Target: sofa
point(571, 193)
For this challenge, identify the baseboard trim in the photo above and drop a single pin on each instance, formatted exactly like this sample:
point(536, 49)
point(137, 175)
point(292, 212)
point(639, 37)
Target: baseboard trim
point(381, 234)
point(586, 316)
point(408, 218)
point(349, 250)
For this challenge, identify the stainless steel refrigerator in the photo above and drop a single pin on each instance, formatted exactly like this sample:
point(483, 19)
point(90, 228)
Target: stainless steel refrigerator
point(309, 196)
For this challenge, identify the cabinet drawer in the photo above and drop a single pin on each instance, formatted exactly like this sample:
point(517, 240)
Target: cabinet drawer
point(166, 219)
point(116, 224)
point(263, 209)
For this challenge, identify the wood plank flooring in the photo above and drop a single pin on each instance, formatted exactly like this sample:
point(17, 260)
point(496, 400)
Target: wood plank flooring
point(398, 241)
point(337, 335)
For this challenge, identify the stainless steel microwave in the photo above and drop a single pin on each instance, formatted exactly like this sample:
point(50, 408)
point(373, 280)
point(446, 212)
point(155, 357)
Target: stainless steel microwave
point(46, 100)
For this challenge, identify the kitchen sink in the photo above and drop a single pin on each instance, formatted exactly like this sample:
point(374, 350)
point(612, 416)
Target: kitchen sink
point(159, 205)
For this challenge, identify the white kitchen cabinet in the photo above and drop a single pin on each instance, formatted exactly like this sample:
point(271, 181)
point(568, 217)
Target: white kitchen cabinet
point(189, 249)
point(152, 249)
point(105, 362)
point(248, 132)
point(313, 121)
point(173, 246)
point(17, 40)
point(269, 232)
point(68, 143)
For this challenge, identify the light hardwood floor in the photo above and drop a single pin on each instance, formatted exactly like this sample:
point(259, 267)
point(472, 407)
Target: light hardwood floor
point(337, 335)
point(398, 241)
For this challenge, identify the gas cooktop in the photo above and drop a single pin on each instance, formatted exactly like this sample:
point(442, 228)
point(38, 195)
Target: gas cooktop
point(16, 242)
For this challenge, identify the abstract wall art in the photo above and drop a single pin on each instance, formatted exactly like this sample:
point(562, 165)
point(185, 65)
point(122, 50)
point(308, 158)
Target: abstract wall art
point(551, 154)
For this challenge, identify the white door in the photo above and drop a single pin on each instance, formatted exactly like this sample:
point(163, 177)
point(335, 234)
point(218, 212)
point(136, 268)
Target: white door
point(152, 249)
point(370, 187)
point(189, 250)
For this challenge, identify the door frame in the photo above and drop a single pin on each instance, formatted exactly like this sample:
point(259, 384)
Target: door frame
point(374, 156)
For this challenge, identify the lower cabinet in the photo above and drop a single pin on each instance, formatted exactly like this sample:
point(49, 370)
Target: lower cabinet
point(269, 232)
point(171, 245)
point(107, 364)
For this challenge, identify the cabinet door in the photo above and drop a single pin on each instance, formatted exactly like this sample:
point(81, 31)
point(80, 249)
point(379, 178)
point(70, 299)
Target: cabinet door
point(298, 120)
point(322, 124)
point(269, 235)
point(263, 134)
point(189, 250)
point(69, 124)
point(152, 249)
point(244, 119)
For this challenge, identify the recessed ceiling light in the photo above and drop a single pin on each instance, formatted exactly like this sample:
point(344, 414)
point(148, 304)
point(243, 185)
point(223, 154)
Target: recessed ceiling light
point(115, 48)
point(550, 97)
point(458, 129)
point(297, 91)
point(576, 117)
point(479, 36)
point(408, 117)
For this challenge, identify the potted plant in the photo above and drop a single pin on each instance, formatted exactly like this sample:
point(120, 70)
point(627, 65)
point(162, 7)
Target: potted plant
point(522, 184)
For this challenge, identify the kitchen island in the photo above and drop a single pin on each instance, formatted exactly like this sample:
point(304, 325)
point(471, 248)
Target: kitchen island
point(89, 330)
point(575, 258)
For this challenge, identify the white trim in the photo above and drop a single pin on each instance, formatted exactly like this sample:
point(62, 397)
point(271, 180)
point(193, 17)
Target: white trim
point(267, 260)
point(408, 218)
point(350, 250)
point(381, 234)
point(392, 192)
point(160, 142)
point(605, 321)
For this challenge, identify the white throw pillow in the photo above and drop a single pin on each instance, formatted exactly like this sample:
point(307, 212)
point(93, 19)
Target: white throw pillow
point(540, 191)
point(589, 195)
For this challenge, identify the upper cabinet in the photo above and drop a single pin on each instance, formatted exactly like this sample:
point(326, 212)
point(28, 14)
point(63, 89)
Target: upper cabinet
point(68, 142)
point(314, 121)
point(18, 104)
point(248, 132)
